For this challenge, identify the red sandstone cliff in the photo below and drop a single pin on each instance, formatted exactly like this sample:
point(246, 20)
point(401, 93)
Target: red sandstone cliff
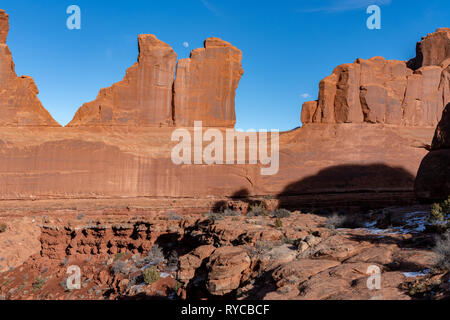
point(387, 91)
point(204, 89)
point(205, 85)
point(363, 144)
point(19, 103)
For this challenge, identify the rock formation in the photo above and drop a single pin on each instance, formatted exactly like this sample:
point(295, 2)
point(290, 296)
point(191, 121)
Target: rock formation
point(4, 26)
point(204, 89)
point(433, 178)
point(19, 103)
point(205, 85)
point(432, 50)
point(361, 143)
point(143, 97)
point(392, 92)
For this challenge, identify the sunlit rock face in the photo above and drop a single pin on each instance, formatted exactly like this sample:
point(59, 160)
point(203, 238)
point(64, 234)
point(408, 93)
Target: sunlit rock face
point(392, 92)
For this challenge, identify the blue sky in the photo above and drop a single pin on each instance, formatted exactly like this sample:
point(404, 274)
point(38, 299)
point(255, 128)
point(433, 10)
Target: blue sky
point(288, 46)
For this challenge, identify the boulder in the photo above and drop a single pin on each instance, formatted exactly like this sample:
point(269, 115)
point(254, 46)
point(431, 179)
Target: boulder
point(226, 267)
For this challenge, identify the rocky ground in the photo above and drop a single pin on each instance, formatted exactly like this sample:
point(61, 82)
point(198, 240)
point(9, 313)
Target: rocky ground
point(229, 255)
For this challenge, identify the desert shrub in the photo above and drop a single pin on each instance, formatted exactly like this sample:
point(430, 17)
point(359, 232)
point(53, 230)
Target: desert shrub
point(260, 248)
point(442, 250)
point(178, 286)
point(155, 256)
point(281, 213)
point(119, 267)
point(258, 209)
point(173, 216)
point(2, 227)
point(230, 213)
point(151, 275)
point(278, 223)
point(440, 215)
point(335, 221)
point(39, 283)
point(213, 216)
point(119, 255)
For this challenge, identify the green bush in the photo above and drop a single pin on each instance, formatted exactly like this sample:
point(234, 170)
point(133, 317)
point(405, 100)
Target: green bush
point(258, 209)
point(151, 275)
point(2, 227)
point(278, 223)
point(440, 215)
point(39, 283)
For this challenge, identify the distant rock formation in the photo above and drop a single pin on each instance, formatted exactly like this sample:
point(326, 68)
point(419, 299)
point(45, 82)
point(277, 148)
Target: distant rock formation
point(432, 50)
point(433, 178)
point(204, 89)
point(19, 103)
point(206, 83)
point(393, 92)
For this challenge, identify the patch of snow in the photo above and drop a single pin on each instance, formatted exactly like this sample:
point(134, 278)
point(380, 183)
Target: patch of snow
point(416, 274)
point(413, 222)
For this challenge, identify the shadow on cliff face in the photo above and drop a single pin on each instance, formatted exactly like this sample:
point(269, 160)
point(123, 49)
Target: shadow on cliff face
point(361, 187)
point(364, 186)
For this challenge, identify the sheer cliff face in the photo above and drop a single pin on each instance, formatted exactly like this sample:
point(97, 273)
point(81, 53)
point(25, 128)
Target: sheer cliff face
point(206, 83)
point(19, 103)
point(387, 91)
point(204, 89)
